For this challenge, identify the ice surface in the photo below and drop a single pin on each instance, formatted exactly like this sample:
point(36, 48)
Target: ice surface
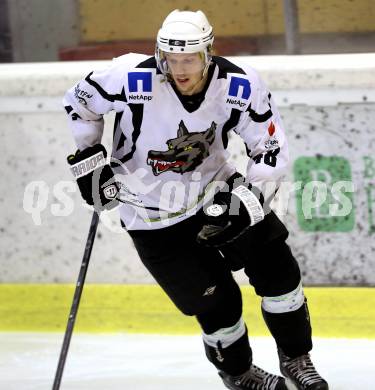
point(149, 362)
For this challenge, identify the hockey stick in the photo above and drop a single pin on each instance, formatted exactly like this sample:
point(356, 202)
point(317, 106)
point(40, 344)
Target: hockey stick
point(76, 300)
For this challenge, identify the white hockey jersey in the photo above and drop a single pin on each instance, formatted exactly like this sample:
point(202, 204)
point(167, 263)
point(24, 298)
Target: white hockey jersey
point(169, 153)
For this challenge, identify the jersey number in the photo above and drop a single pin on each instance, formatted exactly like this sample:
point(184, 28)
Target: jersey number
point(270, 158)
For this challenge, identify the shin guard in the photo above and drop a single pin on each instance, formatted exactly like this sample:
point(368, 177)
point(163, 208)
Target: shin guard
point(291, 330)
point(234, 359)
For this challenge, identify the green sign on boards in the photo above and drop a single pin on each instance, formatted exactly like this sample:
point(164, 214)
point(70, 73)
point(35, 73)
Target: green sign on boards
point(325, 199)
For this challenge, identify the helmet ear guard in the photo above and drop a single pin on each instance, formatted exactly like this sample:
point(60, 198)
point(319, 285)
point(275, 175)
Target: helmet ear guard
point(184, 32)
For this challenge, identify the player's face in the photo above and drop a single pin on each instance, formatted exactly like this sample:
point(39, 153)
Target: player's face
point(186, 70)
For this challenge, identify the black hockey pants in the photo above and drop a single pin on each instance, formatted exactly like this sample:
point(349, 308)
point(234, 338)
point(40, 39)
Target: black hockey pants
point(199, 280)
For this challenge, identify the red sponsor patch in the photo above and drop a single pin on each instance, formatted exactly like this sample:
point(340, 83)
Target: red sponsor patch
point(271, 129)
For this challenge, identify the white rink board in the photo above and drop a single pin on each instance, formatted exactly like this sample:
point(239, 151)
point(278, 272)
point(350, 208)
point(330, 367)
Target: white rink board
point(118, 362)
point(328, 106)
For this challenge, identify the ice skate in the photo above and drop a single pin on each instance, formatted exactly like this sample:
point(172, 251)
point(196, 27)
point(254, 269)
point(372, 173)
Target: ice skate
point(253, 379)
point(301, 373)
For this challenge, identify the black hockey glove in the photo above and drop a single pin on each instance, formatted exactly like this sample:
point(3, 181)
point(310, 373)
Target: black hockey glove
point(95, 177)
point(233, 211)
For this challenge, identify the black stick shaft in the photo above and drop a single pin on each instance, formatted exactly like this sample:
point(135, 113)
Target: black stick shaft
point(76, 300)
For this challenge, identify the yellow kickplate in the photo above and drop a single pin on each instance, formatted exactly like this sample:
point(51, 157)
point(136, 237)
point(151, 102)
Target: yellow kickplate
point(335, 312)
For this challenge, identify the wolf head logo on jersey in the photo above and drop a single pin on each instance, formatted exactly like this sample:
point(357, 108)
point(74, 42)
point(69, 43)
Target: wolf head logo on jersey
point(185, 152)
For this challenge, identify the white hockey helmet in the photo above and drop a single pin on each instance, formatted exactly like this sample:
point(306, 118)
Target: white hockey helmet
point(184, 32)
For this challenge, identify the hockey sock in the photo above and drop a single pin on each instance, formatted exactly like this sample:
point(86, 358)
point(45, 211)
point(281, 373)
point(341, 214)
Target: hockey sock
point(291, 330)
point(230, 353)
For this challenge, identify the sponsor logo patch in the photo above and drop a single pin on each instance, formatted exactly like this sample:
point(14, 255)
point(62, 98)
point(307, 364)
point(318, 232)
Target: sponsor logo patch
point(239, 92)
point(236, 102)
point(272, 142)
point(271, 129)
point(140, 86)
point(239, 87)
point(81, 95)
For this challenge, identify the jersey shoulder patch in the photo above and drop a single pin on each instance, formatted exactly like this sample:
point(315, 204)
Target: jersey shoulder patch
point(238, 83)
point(140, 79)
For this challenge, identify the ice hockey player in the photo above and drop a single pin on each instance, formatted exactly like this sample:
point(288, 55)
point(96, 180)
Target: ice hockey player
point(193, 219)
